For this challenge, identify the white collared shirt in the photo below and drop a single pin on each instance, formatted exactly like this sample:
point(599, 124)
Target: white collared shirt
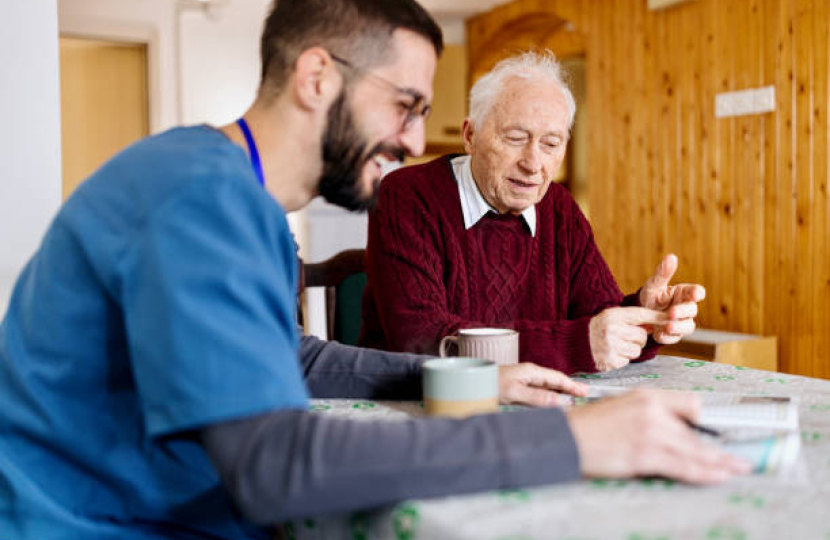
point(473, 205)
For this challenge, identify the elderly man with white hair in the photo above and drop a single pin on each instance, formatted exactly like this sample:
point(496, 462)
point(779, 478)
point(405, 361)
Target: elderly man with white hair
point(488, 240)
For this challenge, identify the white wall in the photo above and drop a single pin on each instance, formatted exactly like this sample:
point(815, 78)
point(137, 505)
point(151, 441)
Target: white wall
point(30, 159)
point(220, 68)
point(454, 30)
point(220, 60)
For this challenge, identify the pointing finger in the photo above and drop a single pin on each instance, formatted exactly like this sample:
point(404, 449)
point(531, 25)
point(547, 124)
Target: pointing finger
point(640, 315)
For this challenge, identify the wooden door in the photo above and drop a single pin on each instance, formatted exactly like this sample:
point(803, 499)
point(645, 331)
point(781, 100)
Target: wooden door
point(104, 104)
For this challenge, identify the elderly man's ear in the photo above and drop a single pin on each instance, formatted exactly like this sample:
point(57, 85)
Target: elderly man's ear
point(317, 81)
point(467, 135)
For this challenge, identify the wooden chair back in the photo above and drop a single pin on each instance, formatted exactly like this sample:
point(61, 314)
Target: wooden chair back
point(343, 276)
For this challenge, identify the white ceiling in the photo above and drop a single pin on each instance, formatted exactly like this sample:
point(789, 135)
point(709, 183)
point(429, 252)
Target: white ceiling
point(458, 9)
point(450, 15)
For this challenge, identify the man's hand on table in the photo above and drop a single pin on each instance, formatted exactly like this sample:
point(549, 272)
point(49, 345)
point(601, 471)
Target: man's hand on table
point(646, 433)
point(679, 302)
point(530, 384)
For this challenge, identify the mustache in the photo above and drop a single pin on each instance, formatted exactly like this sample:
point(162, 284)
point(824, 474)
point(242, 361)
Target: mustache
point(385, 148)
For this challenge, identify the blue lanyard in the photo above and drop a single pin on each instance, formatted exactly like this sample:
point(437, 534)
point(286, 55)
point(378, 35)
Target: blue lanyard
point(249, 139)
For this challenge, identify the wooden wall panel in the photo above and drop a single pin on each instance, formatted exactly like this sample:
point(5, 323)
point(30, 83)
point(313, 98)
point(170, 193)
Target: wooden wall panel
point(821, 201)
point(743, 201)
point(803, 177)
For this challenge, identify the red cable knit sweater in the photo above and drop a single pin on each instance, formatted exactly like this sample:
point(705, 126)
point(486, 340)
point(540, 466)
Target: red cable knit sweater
point(428, 276)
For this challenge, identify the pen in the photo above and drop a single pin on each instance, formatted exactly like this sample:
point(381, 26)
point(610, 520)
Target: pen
point(701, 429)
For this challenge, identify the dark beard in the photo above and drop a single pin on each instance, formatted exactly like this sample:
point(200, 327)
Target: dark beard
point(344, 155)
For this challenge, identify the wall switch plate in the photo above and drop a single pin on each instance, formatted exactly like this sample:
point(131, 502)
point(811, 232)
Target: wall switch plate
point(743, 102)
point(660, 4)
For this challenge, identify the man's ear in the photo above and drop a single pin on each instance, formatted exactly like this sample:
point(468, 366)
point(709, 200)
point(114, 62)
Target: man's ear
point(467, 131)
point(317, 81)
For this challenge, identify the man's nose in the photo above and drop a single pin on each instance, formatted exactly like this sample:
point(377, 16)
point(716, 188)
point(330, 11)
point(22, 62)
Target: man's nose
point(530, 160)
point(413, 139)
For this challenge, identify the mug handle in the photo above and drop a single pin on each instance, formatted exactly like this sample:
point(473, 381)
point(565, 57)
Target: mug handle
point(442, 348)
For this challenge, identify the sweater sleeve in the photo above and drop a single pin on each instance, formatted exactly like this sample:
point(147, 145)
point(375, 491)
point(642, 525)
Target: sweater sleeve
point(592, 286)
point(294, 464)
point(334, 370)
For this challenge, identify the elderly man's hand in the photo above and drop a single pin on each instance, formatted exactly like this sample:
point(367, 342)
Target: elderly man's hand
point(646, 433)
point(530, 384)
point(679, 302)
point(617, 335)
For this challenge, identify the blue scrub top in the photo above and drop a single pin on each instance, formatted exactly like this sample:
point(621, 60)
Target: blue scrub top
point(161, 300)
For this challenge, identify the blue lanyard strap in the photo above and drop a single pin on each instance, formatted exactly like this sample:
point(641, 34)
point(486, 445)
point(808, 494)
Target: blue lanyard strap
point(249, 139)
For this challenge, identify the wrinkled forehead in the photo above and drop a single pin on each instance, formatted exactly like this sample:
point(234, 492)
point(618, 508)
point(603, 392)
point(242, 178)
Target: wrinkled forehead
point(536, 104)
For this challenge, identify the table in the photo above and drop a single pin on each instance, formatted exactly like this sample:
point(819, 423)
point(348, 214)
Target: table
point(750, 508)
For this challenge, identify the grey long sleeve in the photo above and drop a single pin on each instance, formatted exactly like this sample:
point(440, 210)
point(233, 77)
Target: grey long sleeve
point(333, 370)
point(293, 464)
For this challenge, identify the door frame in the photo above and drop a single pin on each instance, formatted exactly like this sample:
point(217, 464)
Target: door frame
point(132, 34)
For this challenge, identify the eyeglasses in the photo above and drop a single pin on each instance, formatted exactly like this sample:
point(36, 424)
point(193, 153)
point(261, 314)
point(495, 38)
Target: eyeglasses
point(418, 108)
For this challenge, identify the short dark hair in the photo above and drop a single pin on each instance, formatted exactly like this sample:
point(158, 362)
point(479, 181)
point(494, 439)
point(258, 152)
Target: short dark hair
point(358, 30)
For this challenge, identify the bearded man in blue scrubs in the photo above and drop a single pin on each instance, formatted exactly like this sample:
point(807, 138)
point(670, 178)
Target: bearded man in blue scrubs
point(152, 382)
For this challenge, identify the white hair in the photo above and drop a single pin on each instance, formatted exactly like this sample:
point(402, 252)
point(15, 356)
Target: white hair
point(529, 65)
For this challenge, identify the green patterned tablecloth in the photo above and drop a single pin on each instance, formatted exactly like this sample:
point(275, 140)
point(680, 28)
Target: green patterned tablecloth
point(751, 508)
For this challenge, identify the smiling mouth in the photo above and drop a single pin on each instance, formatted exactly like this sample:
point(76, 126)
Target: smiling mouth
point(383, 158)
point(522, 184)
point(379, 163)
point(384, 155)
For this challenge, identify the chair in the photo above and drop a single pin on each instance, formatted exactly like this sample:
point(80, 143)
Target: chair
point(344, 278)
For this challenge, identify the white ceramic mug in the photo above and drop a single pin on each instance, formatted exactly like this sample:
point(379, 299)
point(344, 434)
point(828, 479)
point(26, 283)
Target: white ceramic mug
point(501, 345)
point(460, 386)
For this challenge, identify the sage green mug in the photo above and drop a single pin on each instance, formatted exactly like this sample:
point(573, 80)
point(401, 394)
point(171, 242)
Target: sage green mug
point(460, 386)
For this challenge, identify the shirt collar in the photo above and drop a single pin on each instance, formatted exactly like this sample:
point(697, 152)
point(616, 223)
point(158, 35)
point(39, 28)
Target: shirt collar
point(473, 205)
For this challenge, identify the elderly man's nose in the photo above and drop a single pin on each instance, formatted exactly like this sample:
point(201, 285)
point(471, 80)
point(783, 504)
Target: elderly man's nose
point(530, 160)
